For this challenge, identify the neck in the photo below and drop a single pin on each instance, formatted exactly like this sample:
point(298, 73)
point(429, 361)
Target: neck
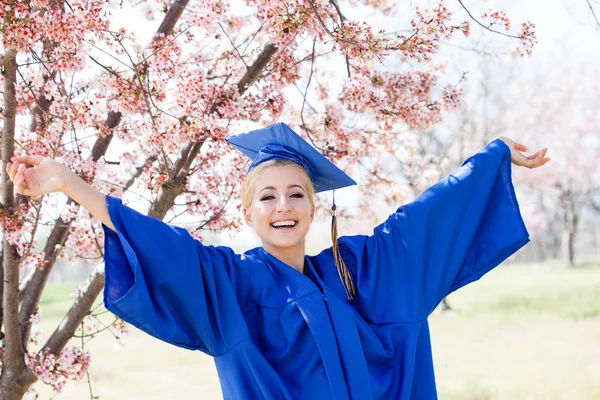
point(292, 256)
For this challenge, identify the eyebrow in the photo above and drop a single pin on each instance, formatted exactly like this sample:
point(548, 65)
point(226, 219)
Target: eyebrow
point(273, 187)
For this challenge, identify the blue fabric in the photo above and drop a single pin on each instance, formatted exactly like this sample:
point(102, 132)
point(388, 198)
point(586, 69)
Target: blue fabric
point(280, 152)
point(280, 142)
point(277, 334)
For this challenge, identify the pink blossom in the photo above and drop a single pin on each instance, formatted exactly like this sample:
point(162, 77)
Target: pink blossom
point(71, 364)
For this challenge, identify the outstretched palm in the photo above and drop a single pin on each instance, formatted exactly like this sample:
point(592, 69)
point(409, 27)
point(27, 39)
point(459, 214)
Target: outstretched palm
point(518, 158)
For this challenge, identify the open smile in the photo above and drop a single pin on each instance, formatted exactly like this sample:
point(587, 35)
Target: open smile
point(284, 224)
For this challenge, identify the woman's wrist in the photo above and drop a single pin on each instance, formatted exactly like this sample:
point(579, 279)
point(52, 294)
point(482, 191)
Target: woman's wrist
point(70, 182)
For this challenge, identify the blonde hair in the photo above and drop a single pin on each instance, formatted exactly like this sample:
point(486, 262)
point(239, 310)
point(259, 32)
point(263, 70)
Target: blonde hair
point(248, 185)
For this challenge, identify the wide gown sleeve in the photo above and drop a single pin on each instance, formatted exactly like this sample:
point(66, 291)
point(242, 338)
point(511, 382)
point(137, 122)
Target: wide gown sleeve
point(161, 280)
point(451, 235)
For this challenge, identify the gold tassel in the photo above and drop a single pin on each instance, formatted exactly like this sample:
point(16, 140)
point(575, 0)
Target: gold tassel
point(342, 269)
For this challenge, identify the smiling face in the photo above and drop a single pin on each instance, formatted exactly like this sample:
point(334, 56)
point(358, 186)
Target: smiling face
point(278, 205)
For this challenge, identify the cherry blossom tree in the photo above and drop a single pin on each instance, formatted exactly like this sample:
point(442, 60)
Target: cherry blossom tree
point(567, 120)
point(559, 111)
point(76, 81)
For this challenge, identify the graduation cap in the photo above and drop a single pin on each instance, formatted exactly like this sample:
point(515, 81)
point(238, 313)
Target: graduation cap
point(280, 142)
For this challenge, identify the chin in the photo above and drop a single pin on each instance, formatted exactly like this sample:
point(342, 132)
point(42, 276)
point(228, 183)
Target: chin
point(285, 244)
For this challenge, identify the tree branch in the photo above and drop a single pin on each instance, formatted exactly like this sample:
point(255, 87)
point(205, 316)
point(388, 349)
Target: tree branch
point(80, 308)
point(589, 3)
point(173, 187)
point(139, 171)
point(232, 44)
point(254, 71)
point(172, 16)
point(483, 26)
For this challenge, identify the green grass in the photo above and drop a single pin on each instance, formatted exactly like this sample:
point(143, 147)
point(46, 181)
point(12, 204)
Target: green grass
point(55, 302)
point(534, 290)
point(521, 332)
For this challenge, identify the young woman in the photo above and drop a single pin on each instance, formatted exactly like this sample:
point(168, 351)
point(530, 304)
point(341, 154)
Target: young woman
point(349, 323)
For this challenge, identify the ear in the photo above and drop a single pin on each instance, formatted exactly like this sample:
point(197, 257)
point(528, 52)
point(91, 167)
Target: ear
point(247, 216)
point(312, 212)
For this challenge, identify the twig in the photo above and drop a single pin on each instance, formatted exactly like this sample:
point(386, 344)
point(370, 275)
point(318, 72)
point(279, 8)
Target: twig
point(252, 37)
point(374, 173)
point(167, 42)
point(304, 101)
point(232, 44)
point(226, 205)
point(589, 3)
point(483, 26)
point(342, 19)
point(152, 99)
point(35, 97)
point(108, 54)
point(87, 371)
point(110, 71)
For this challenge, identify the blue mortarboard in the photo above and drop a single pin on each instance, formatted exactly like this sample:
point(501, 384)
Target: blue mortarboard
point(280, 142)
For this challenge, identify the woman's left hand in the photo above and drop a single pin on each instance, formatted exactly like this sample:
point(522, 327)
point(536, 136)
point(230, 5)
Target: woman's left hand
point(533, 161)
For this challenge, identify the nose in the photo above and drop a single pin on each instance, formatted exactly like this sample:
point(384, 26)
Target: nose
point(283, 204)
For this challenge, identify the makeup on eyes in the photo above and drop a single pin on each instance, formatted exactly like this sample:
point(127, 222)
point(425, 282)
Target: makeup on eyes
point(295, 195)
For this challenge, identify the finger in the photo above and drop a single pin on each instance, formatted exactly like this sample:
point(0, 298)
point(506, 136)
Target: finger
point(536, 162)
point(533, 156)
point(20, 173)
point(542, 153)
point(539, 161)
point(538, 155)
point(21, 185)
point(520, 147)
point(13, 171)
point(31, 160)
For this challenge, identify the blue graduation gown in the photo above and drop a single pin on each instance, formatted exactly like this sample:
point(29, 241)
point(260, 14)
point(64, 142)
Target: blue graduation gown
point(276, 334)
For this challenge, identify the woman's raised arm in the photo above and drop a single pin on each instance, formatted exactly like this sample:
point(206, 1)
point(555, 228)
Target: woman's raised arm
point(48, 176)
point(157, 277)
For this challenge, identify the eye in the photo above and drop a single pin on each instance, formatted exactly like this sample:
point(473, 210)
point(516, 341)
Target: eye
point(297, 195)
point(267, 197)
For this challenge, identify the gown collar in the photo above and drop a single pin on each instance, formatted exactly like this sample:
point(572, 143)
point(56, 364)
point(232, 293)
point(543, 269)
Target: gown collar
point(311, 280)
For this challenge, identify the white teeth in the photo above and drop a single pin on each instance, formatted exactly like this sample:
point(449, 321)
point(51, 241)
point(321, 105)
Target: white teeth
point(284, 223)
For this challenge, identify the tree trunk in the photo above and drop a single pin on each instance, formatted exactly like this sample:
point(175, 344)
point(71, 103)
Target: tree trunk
point(13, 392)
point(570, 209)
point(13, 362)
point(445, 306)
point(568, 248)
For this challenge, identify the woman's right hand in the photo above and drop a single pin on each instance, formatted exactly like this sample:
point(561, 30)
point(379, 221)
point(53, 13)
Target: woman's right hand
point(45, 177)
